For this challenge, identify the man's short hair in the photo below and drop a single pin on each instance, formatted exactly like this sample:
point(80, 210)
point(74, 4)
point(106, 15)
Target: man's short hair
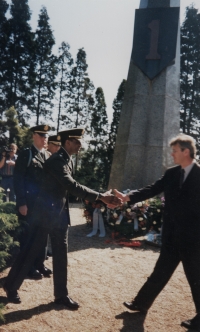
point(185, 142)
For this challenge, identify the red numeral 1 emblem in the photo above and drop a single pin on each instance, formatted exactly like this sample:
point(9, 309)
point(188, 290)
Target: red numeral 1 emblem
point(153, 52)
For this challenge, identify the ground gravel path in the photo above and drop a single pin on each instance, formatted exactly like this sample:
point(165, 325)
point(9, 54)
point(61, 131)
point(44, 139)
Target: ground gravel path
point(101, 276)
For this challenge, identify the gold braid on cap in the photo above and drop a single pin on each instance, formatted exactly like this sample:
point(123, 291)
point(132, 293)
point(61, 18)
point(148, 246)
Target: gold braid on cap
point(40, 131)
point(77, 137)
point(55, 142)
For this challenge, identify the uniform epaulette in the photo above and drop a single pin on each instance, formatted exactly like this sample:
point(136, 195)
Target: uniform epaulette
point(24, 150)
point(61, 154)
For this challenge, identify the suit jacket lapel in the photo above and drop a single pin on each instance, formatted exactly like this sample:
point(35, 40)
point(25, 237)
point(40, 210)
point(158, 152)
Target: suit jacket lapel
point(37, 155)
point(190, 176)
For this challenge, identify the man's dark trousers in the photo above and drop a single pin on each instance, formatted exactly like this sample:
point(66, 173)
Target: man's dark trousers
point(170, 257)
point(180, 232)
point(24, 235)
point(29, 253)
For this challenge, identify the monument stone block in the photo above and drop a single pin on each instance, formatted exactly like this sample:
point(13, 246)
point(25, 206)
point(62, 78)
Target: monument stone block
point(150, 112)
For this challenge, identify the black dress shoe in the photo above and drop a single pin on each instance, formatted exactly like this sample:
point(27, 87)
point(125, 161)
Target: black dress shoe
point(45, 271)
point(68, 302)
point(12, 296)
point(193, 324)
point(135, 307)
point(34, 274)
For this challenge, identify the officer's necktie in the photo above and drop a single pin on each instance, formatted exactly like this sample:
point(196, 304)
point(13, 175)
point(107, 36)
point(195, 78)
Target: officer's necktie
point(182, 177)
point(72, 168)
point(42, 154)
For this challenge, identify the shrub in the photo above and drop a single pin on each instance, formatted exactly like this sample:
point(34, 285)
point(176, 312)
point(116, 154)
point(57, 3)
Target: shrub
point(8, 227)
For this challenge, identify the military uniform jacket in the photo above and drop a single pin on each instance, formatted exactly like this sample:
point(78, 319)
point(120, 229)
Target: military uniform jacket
point(181, 220)
point(52, 203)
point(28, 176)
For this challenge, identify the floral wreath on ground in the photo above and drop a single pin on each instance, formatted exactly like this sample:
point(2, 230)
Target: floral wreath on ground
point(89, 209)
point(131, 220)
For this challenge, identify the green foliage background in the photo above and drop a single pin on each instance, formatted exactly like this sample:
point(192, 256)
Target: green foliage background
point(9, 228)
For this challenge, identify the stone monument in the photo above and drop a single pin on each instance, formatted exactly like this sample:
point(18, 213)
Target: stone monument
point(150, 114)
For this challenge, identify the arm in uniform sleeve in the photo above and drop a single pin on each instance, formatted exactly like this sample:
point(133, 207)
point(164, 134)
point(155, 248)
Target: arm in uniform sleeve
point(20, 177)
point(58, 169)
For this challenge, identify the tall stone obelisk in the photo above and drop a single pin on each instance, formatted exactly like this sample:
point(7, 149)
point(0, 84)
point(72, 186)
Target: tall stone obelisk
point(150, 114)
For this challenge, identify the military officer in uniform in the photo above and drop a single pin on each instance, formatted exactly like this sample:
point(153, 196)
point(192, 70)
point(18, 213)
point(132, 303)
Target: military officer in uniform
point(28, 175)
point(51, 216)
point(54, 144)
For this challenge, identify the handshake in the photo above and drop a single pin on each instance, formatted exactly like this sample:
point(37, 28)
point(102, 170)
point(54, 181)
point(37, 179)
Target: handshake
point(114, 200)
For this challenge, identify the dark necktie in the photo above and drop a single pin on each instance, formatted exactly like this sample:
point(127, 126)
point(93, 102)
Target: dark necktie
point(42, 154)
point(72, 168)
point(182, 177)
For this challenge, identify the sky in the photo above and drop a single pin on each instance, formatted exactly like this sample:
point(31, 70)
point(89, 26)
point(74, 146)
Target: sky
point(104, 28)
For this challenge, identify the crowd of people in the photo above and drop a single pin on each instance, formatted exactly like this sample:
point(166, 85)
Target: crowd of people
point(42, 181)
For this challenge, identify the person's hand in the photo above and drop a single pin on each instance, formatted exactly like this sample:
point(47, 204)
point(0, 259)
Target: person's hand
point(110, 199)
point(23, 210)
point(123, 197)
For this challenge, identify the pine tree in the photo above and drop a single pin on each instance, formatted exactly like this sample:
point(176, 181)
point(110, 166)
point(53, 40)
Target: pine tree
point(190, 72)
point(99, 132)
point(94, 161)
point(3, 42)
point(117, 107)
point(45, 69)
point(85, 173)
point(18, 58)
point(12, 125)
point(79, 108)
point(3, 137)
point(3, 21)
point(64, 63)
point(17, 134)
point(99, 119)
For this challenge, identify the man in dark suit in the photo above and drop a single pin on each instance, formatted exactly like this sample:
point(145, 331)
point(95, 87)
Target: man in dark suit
point(181, 226)
point(28, 176)
point(51, 216)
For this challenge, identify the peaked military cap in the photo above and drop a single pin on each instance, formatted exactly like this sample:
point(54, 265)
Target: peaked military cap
point(71, 133)
point(42, 130)
point(54, 140)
